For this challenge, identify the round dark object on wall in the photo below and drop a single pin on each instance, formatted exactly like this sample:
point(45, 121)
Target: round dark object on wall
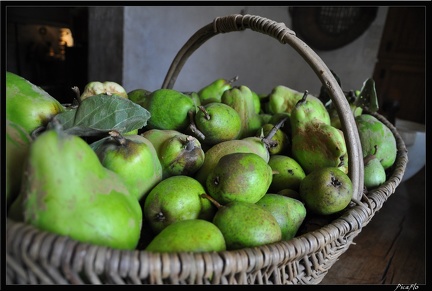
point(327, 28)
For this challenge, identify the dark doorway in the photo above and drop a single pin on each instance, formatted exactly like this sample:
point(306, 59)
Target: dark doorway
point(48, 46)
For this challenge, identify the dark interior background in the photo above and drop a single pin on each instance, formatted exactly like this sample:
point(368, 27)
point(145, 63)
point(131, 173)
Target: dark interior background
point(34, 53)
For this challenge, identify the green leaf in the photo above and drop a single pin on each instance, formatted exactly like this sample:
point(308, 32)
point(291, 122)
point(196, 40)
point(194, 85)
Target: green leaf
point(367, 98)
point(96, 144)
point(102, 113)
point(65, 119)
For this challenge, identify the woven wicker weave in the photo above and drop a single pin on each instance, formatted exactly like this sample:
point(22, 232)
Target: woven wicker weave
point(38, 257)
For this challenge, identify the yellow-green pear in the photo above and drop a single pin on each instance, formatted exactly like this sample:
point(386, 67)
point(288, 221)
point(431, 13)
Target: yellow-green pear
point(176, 198)
point(216, 122)
point(191, 235)
point(29, 105)
point(169, 109)
point(179, 153)
point(245, 225)
point(287, 173)
point(213, 91)
point(17, 148)
point(373, 132)
point(239, 177)
point(289, 212)
point(134, 159)
point(67, 191)
point(326, 191)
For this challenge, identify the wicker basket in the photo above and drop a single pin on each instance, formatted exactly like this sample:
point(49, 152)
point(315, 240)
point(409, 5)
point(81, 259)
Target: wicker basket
point(38, 257)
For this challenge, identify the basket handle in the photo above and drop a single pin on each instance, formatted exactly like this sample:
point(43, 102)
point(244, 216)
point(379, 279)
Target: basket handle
point(239, 22)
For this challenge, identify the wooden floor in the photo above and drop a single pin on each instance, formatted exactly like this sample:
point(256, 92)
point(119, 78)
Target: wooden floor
point(391, 248)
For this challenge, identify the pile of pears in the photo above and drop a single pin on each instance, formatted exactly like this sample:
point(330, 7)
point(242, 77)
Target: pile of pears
point(219, 168)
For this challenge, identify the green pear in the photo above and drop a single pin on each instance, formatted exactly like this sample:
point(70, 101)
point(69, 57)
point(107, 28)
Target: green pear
point(308, 109)
point(374, 172)
point(176, 198)
point(107, 88)
point(139, 96)
point(253, 144)
point(216, 122)
point(326, 190)
point(192, 235)
point(67, 191)
point(374, 132)
point(29, 105)
point(282, 99)
point(178, 153)
point(314, 142)
point(282, 143)
point(158, 136)
point(241, 99)
point(287, 173)
point(318, 145)
point(134, 159)
point(239, 177)
point(289, 213)
point(17, 148)
point(213, 154)
point(169, 109)
point(213, 91)
point(245, 224)
point(181, 155)
point(257, 102)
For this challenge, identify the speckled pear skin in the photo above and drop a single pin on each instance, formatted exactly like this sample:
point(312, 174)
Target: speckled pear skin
point(67, 191)
point(245, 224)
point(315, 143)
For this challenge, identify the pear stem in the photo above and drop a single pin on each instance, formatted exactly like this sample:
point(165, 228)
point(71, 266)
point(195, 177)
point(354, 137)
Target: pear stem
point(189, 143)
point(53, 123)
point(268, 139)
point(368, 158)
point(233, 80)
point(118, 137)
point(77, 93)
point(192, 126)
point(212, 200)
point(303, 99)
point(206, 115)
